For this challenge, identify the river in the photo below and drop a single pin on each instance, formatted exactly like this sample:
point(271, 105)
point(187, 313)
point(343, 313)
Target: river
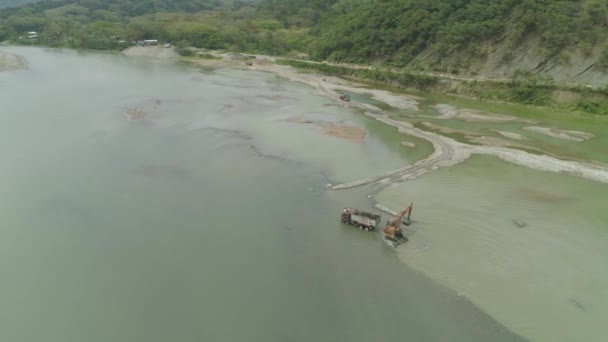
point(148, 200)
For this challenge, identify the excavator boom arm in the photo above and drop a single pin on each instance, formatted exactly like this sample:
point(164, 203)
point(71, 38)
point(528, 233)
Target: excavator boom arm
point(406, 211)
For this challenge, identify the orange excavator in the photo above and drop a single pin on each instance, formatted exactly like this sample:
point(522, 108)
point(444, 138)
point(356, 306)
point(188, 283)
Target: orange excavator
point(392, 231)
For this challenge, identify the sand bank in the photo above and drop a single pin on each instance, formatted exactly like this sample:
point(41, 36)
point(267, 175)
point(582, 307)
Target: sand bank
point(449, 130)
point(333, 87)
point(560, 133)
point(526, 278)
point(470, 115)
point(151, 51)
point(476, 138)
point(496, 141)
point(510, 135)
point(9, 61)
point(448, 152)
point(328, 86)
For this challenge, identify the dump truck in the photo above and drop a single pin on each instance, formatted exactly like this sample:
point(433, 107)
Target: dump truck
point(361, 219)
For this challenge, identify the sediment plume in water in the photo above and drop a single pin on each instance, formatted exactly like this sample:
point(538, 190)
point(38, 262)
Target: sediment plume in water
point(338, 130)
point(9, 61)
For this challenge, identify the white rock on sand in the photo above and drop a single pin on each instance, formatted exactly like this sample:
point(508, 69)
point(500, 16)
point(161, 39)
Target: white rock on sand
point(151, 51)
point(510, 135)
point(560, 133)
point(8, 61)
point(449, 112)
point(446, 111)
point(397, 101)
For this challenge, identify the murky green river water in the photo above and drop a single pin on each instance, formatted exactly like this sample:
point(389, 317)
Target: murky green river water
point(205, 217)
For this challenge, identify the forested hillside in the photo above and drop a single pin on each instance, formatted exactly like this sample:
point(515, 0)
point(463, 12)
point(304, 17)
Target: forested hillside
point(564, 40)
point(14, 3)
point(468, 35)
point(113, 24)
point(398, 31)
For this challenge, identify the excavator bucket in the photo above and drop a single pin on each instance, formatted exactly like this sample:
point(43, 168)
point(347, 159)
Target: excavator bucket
point(407, 220)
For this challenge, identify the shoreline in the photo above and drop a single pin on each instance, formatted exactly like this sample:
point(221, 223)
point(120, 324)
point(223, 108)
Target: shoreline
point(474, 88)
point(446, 151)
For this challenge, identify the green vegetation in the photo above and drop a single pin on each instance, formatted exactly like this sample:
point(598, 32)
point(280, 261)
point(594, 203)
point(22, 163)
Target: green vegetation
point(359, 31)
point(603, 60)
point(396, 32)
point(398, 80)
point(528, 88)
point(115, 24)
point(414, 36)
point(14, 3)
point(97, 24)
point(593, 107)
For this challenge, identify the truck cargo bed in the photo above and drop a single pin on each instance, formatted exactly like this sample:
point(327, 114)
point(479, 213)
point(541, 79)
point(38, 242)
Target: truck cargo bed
point(361, 219)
